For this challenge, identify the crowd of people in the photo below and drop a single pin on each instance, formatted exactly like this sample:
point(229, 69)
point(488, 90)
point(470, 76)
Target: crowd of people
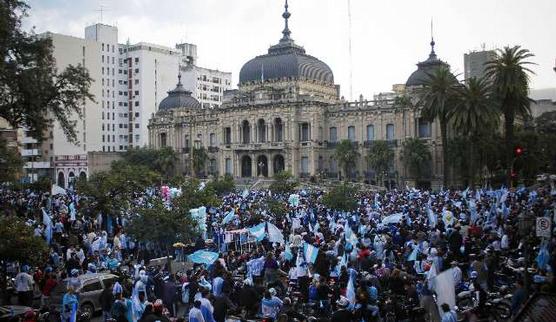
point(385, 260)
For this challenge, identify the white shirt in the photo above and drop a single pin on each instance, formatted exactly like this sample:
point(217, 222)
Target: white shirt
point(23, 282)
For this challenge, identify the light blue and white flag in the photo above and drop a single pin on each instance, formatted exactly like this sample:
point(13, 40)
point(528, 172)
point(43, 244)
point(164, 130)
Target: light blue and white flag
point(203, 257)
point(275, 235)
point(258, 231)
point(47, 221)
point(288, 255)
point(392, 219)
point(350, 290)
point(245, 193)
point(432, 217)
point(310, 252)
point(293, 200)
point(229, 217)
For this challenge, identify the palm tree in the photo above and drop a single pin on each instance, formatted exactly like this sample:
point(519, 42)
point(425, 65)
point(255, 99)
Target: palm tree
point(416, 157)
point(166, 161)
point(509, 75)
point(347, 155)
point(474, 114)
point(200, 157)
point(437, 97)
point(380, 158)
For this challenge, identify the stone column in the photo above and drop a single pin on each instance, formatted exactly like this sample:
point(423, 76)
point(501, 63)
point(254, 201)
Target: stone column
point(270, 165)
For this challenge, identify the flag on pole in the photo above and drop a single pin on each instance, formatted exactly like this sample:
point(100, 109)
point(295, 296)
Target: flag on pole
point(275, 235)
point(258, 231)
point(47, 221)
point(310, 252)
point(229, 217)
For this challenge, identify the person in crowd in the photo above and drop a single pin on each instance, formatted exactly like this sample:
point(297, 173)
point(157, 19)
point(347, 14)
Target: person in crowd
point(24, 286)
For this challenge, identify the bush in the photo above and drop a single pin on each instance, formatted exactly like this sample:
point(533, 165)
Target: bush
point(223, 185)
point(341, 197)
point(283, 183)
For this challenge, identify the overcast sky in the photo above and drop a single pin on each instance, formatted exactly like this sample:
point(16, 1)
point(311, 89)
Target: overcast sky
point(389, 36)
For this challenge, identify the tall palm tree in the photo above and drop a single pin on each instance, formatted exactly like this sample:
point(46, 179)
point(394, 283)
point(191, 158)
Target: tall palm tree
point(347, 155)
point(380, 158)
point(509, 75)
point(473, 114)
point(437, 97)
point(416, 157)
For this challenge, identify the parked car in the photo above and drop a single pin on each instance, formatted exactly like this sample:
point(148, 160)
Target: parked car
point(89, 294)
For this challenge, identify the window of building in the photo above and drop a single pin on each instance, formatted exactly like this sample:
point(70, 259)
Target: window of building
point(370, 132)
point(304, 165)
point(304, 132)
point(136, 60)
point(103, 126)
point(333, 134)
point(424, 128)
point(136, 81)
point(389, 131)
point(102, 59)
point(137, 136)
point(212, 139)
point(136, 70)
point(136, 114)
point(103, 115)
point(162, 139)
point(136, 92)
point(102, 46)
point(228, 135)
point(351, 133)
point(212, 166)
point(228, 166)
point(136, 125)
point(103, 138)
point(136, 103)
point(278, 130)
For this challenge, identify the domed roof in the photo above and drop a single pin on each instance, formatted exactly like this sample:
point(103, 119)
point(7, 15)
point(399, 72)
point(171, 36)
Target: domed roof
point(285, 60)
point(179, 97)
point(425, 68)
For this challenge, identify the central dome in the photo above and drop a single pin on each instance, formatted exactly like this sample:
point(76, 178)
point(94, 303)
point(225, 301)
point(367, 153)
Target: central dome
point(426, 68)
point(285, 60)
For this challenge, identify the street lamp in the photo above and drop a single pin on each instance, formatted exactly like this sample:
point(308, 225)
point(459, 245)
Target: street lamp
point(526, 223)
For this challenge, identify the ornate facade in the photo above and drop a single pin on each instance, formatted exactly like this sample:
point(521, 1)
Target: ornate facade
point(287, 115)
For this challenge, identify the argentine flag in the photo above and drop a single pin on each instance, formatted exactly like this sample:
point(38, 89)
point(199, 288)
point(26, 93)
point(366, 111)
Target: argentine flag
point(288, 255)
point(258, 231)
point(310, 252)
point(350, 291)
point(229, 217)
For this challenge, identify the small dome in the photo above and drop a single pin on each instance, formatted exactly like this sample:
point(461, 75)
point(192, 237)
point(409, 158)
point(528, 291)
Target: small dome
point(178, 98)
point(425, 68)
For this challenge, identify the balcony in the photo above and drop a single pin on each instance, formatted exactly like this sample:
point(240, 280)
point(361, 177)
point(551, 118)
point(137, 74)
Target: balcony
point(37, 165)
point(331, 145)
point(30, 152)
point(212, 149)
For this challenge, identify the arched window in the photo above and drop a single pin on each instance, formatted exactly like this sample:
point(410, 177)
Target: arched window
point(370, 132)
point(245, 132)
point(278, 130)
point(261, 131)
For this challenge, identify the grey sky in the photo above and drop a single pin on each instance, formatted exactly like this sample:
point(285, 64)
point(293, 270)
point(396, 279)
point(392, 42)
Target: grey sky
point(389, 36)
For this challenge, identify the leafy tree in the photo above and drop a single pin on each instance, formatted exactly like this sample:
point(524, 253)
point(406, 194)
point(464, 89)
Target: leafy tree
point(162, 161)
point(473, 114)
point(11, 163)
point(277, 208)
point(18, 242)
point(163, 226)
point(283, 183)
point(223, 185)
point(200, 157)
point(509, 75)
point(380, 158)
point(416, 156)
point(437, 98)
point(33, 92)
point(112, 191)
point(546, 123)
point(341, 197)
point(347, 155)
point(193, 197)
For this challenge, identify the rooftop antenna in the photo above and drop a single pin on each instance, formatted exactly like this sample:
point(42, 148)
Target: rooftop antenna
point(101, 12)
point(350, 52)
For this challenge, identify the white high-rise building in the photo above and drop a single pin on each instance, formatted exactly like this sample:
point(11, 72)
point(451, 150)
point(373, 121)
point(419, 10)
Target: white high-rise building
point(130, 80)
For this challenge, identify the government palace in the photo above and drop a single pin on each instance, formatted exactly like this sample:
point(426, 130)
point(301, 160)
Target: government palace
point(287, 114)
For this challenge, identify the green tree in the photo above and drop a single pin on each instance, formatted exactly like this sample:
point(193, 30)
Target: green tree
point(283, 183)
point(473, 114)
point(509, 75)
point(437, 98)
point(163, 226)
point(193, 196)
point(200, 157)
point(546, 123)
point(347, 155)
point(416, 157)
point(18, 242)
point(11, 163)
point(33, 92)
point(112, 191)
point(380, 158)
point(162, 160)
point(341, 197)
point(223, 185)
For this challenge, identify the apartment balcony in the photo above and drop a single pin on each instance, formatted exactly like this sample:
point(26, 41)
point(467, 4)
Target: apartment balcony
point(37, 165)
point(259, 146)
point(212, 149)
point(30, 152)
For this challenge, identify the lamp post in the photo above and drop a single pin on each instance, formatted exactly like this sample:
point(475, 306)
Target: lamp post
point(525, 225)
